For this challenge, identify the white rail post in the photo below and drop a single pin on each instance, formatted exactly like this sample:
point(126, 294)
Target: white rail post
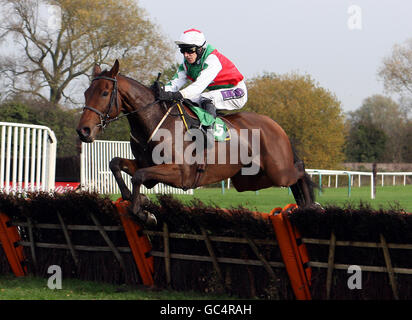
point(31, 147)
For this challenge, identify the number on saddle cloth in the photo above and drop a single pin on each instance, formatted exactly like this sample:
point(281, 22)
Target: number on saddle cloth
point(220, 130)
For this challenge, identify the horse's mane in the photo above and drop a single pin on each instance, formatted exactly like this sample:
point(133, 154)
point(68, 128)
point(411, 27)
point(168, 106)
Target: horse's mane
point(135, 82)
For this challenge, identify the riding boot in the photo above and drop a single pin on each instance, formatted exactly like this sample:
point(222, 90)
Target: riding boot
point(210, 108)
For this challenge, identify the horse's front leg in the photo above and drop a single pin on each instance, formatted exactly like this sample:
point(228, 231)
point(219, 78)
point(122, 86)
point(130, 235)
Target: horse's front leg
point(171, 174)
point(117, 165)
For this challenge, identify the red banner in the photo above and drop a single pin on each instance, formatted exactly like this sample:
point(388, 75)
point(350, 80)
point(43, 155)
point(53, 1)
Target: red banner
point(59, 187)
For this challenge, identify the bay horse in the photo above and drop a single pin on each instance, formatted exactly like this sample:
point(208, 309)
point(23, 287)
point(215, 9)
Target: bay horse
point(111, 93)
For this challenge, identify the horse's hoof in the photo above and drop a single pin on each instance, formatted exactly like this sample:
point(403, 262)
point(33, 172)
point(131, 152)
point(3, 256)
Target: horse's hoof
point(146, 218)
point(316, 205)
point(150, 219)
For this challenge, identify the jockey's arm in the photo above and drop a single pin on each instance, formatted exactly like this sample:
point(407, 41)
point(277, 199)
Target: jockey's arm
point(179, 79)
point(205, 78)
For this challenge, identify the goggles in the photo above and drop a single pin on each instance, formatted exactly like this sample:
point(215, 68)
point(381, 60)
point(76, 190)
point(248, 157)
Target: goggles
point(189, 50)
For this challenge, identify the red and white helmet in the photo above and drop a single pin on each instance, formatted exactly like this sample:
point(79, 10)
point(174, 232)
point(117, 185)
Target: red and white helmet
point(191, 37)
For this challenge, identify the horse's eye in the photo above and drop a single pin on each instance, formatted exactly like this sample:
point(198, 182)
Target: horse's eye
point(105, 94)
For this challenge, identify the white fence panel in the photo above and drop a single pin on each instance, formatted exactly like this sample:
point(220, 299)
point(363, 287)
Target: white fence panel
point(95, 174)
point(27, 158)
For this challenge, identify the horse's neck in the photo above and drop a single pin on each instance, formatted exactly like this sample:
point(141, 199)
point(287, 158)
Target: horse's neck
point(145, 118)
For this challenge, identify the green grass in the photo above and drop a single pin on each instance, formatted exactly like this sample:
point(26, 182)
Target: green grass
point(35, 288)
point(267, 199)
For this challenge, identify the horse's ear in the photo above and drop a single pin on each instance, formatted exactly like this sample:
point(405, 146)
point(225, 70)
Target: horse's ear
point(115, 69)
point(96, 70)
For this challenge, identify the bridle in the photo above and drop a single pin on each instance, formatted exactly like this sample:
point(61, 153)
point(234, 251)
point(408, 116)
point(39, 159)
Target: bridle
point(105, 118)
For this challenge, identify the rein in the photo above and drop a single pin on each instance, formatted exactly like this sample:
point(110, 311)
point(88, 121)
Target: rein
point(105, 119)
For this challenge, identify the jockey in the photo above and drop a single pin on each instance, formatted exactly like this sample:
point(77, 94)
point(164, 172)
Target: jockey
point(208, 69)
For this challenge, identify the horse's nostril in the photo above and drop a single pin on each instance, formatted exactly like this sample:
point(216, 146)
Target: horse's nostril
point(84, 132)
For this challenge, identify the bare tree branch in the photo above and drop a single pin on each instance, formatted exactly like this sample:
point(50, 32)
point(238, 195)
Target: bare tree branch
point(92, 31)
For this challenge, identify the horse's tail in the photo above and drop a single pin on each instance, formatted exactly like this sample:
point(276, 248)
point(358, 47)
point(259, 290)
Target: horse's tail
point(303, 189)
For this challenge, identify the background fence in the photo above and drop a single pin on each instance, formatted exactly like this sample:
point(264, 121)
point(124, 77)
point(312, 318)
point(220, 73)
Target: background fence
point(27, 158)
point(95, 174)
point(349, 179)
point(351, 175)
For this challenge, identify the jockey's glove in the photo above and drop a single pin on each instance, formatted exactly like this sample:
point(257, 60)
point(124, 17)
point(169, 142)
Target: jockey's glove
point(163, 95)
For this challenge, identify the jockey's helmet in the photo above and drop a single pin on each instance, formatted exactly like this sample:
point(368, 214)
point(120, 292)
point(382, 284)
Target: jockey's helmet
point(191, 38)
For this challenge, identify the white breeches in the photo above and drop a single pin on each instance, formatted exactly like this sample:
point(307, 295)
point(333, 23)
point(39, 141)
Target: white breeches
point(226, 99)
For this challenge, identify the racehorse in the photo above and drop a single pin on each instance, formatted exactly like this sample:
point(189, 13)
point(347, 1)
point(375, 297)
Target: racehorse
point(111, 93)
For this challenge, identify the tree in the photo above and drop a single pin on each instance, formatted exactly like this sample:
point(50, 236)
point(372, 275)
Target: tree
point(16, 112)
point(384, 114)
point(366, 143)
point(396, 71)
point(310, 115)
point(61, 121)
point(406, 142)
point(89, 32)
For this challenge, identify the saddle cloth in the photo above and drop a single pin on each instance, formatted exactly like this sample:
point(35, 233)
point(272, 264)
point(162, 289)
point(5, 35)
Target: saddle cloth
point(220, 130)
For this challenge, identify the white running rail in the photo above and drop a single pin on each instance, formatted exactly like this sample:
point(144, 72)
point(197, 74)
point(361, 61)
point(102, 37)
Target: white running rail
point(359, 174)
point(27, 158)
point(95, 174)
point(351, 174)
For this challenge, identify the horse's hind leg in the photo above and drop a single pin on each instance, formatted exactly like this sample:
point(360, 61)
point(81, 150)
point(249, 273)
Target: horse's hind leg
point(297, 194)
point(303, 189)
point(117, 165)
point(307, 187)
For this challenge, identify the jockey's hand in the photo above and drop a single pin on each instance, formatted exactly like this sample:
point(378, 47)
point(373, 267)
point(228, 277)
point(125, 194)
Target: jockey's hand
point(163, 95)
point(156, 86)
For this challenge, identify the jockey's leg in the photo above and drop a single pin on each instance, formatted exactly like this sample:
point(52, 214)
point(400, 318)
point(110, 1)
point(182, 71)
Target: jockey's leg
point(229, 98)
point(209, 107)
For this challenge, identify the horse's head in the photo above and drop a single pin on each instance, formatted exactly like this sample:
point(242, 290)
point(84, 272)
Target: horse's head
point(101, 103)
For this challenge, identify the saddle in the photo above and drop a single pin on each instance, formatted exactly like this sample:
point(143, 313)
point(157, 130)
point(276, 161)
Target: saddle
point(193, 117)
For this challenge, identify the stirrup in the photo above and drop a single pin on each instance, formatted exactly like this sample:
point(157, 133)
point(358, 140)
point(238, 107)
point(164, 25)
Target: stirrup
point(204, 129)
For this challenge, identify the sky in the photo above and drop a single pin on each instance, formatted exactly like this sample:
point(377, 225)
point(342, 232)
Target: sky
point(339, 43)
